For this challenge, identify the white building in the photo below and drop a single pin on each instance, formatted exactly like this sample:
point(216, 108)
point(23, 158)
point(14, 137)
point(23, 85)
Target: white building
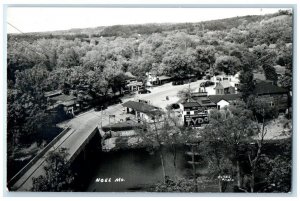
point(222, 104)
point(232, 79)
point(223, 101)
point(153, 79)
point(224, 84)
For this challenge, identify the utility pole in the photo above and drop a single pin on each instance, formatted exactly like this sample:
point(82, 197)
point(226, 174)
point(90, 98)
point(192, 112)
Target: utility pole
point(193, 153)
point(194, 169)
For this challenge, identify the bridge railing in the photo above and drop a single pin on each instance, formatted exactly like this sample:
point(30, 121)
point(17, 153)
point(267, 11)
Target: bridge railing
point(13, 180)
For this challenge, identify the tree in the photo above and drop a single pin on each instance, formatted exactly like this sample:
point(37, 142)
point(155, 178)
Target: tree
point(285, 58)
point(233, 127)
point(246, 85)
point(185, 94)
point(286, 80)
point(58, 176)
point(261, 108)
point(154, 137)
point(161, 131)
point(179, 64)
point(230, 65)
point(280, 174)
point(205, 58)
point(215, 150)
point(270, 73)
point(255, 155)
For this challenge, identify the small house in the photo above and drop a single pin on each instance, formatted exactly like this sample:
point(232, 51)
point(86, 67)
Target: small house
point(224, 87)
point(143, 111)
point(223, 101)
point(57, 98)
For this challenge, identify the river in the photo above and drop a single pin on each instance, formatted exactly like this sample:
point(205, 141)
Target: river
point(131, 170)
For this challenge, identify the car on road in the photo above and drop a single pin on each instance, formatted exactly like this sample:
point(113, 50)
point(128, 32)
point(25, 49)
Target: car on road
point(207, 84)
point(144, 91)
point(115, 101)
point(179, 82)
point(100, 107)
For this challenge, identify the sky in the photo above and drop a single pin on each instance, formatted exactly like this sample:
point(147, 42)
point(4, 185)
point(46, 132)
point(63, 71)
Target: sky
point(40, 19)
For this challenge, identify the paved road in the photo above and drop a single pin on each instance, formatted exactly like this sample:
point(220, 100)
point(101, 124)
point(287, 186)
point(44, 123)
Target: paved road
point(83, 125)
point(81, 128)
point(158, 94)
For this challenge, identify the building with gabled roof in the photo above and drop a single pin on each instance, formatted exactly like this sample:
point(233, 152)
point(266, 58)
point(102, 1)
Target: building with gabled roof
point(224, 87)
point(268, 88)
point(224, 100)
point(142, 110)
point(195, 110)
point(278, 97)
point(56, 98)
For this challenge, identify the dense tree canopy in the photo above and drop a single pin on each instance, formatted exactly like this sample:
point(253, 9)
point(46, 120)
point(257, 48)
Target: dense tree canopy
point(98, 58)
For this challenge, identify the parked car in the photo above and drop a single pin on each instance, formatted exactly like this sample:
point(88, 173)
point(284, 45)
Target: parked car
point(207, 84)
point(208, 77)
point(144, 91)
point(194, 79)
point(100, 107)
point(179, 82)
point(115, 101)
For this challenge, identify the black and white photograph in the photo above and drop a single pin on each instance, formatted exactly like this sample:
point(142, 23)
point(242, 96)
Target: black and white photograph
point(185, 99)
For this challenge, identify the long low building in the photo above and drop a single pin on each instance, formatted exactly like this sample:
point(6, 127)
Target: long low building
point(142, 110)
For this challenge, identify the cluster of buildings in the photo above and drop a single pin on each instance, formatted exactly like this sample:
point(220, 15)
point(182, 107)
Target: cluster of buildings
point(132, 84)
point(153, 79)
point(193, 112)
point(143, 111)
point(70, 103)
point(223, 93)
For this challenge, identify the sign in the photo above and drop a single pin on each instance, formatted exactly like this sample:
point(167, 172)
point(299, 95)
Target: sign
point(196, 120)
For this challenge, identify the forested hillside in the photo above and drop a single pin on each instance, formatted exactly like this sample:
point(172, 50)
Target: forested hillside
point(99, 57)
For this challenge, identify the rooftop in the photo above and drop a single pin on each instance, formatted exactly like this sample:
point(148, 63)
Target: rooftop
point(204, 101)
point(129, 75)
point(135, 83)
point(191, 104)
point(263, 88)
point(163, 77)
point(143, 107)
point(227, 97)
point(52, 93)
point(121, 126)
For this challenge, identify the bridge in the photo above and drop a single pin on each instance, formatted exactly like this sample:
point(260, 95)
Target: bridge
point(77, 134)
point(80, 130)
